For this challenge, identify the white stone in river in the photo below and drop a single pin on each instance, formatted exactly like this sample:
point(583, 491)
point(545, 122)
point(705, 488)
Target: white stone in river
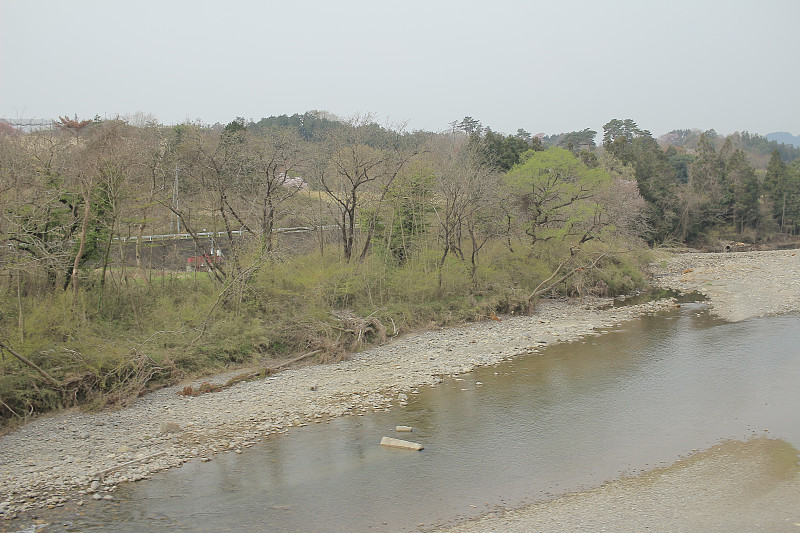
point(397, 443)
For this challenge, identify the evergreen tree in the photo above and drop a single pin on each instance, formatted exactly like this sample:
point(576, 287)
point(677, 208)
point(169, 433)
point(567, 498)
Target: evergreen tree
point(500, 151)
point(655, 177)
point(782, 191)
point(742, 191)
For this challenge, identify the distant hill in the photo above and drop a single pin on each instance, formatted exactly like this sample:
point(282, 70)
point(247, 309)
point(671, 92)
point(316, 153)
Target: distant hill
point(785, 138)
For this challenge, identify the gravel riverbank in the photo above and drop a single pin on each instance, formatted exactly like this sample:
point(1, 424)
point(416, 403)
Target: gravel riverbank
point(733, 487)
point(740, 285)
point(73, 457)
point(80, 456)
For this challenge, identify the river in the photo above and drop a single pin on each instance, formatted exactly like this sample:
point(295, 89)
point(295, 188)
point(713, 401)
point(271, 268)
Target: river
point(529, 429)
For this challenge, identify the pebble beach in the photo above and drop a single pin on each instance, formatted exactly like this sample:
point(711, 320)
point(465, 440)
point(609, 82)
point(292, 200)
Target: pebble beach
point(732, 487)
point(73, 457)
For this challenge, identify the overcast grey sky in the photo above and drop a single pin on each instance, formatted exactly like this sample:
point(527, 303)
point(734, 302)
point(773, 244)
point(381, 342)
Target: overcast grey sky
point(545, 66)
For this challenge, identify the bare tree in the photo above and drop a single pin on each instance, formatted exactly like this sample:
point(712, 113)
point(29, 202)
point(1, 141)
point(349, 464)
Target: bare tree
point(104, 164)
point(215, 162)
point(39, 214)
point(356, 157)
point(274, 176)
point(467, 193)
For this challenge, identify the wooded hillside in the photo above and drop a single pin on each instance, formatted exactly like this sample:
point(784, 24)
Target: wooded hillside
point(402, 230)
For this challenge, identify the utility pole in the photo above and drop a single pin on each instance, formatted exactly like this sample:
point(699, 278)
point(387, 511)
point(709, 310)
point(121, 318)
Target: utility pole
point(176, 199)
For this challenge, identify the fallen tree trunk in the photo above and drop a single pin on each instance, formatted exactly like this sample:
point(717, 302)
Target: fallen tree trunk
point(31, 364)
point(269, 370)
point(544, 287)
point(101, 474)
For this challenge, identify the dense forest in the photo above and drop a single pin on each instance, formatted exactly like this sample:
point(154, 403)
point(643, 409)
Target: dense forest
point(402, 230)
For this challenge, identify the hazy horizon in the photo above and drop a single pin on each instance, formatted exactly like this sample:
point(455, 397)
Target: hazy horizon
point(532, 65)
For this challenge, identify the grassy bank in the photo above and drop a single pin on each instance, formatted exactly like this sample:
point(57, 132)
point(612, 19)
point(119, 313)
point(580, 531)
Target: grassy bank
point(113, 340)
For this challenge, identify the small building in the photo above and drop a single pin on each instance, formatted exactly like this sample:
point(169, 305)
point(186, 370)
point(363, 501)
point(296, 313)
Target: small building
point(199, 263)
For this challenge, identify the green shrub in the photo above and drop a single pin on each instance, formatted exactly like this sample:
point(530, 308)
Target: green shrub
point(139, 335)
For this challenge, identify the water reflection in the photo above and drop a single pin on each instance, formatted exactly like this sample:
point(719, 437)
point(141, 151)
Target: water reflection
point(535, 426)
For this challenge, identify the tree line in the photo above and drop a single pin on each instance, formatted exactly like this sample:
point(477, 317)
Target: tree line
point(430, 228)
point(699, 186)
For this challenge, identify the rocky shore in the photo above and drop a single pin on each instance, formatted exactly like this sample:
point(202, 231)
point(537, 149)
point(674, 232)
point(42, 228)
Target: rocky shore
point(79, 456)
point(739, 285)
point(732, 487)
point(72, 457)
point(736, 486)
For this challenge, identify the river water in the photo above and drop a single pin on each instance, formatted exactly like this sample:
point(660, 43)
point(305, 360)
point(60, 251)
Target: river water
point(529, 429)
